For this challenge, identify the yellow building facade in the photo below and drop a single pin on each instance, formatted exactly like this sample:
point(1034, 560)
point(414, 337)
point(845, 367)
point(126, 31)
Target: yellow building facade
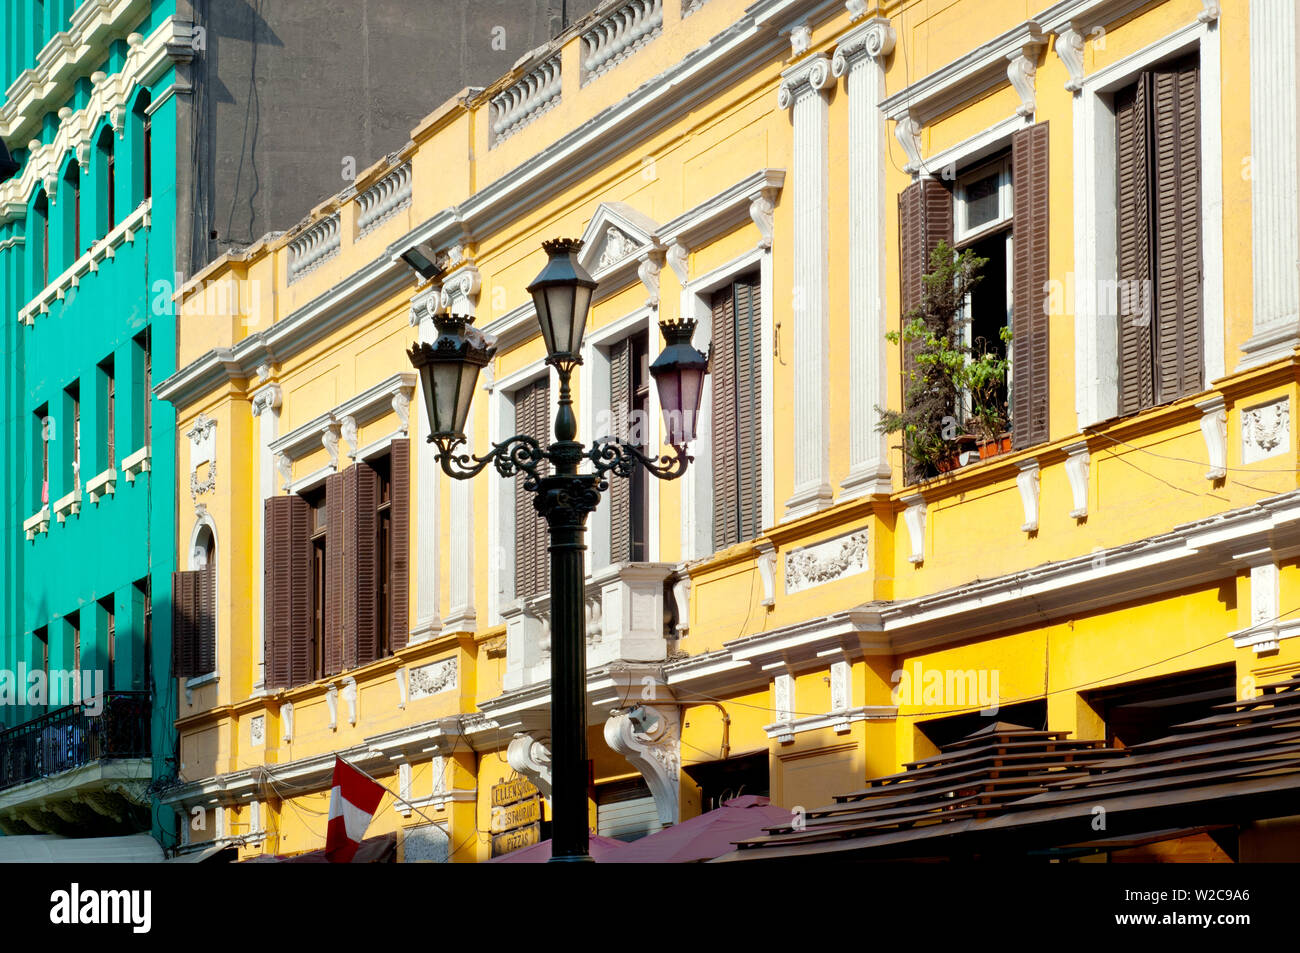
point(792, 617)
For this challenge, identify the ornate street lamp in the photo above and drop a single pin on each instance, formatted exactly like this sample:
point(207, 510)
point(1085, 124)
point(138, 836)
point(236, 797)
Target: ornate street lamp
point(449, 369)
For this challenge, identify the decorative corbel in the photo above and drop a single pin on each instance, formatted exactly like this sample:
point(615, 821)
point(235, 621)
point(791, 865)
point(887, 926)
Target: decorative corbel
point(1069, 47)
point(1211, 12)
point(908, 133)
point(1027, 481)
point(651, 264)
point(678, 257)
point(1214, 428)
point(762, 209)
point(530, 755)
point(649, 736)
point(1021, 69)
point(348, 434)
point(332, 704)
point(285, 468)
point(286, 722)
point(402, 686)
point(914, 518)
point(329, 439)
point(767, 571)
point(401, 402)
point(1076, 468)
point(682, 596)
point(350, 698)
point(800, 39)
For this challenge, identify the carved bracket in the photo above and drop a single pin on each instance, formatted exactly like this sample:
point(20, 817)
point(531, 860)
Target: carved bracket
point(1027, 480)
point(1076, 468)
point(914, 518)
point(908, 133)
point(530, 755)
point(767, 572)
point(649, 736)
point(1214, 428)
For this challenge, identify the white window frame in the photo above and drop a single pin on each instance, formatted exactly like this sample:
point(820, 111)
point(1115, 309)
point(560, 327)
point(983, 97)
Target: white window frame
point(1094, 304)
point(196, 563)
point(697, 492)
point(594, 392)
point(961, 232)
point(501, 492)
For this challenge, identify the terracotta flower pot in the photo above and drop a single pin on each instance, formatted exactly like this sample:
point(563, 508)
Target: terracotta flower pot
point(993, 448)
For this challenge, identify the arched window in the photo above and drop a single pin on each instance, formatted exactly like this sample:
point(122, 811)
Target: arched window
point(141, 149)
point(40, 240)
point(106, 174)
point(71, 218)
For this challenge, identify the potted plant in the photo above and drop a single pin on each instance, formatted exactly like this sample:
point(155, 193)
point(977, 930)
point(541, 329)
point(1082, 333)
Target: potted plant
point(944, 370)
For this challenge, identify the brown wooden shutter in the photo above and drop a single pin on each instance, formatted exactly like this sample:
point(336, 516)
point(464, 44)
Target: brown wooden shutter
point(205, 651)
point(532, 564)
point(185, 617)
point(400, 559)
point(620, 490)
point(361, 566)
point(1133, 250)
point(722, 373)
point(1031, 375)
point(1176, 135)
point(336, 543)
point(924, 220)
point(287, 573)
point(749, 441)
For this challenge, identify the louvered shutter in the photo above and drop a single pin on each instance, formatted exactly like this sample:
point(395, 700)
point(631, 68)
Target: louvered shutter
point(361, 565)
point(205, 651)
point(185, 617)
point(287, 571)
point(722, 373)
point(1133, 250)
point(532, 565)
point(1031, 378)
point(749, 450)
point(1176, 135)
point(924, 220)
point(336, 544)
point(400, 558)
point(620, 490)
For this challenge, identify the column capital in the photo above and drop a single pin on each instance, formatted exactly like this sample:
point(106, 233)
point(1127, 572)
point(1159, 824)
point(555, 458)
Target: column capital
point(810, 75)
point(872, 40)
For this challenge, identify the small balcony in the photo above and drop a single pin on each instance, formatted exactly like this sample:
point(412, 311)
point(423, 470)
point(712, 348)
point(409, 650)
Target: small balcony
point(72, 772)
point(631, 617)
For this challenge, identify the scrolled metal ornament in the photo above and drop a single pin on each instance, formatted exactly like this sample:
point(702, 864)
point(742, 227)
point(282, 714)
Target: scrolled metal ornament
point(620, 457)
point(519, 454)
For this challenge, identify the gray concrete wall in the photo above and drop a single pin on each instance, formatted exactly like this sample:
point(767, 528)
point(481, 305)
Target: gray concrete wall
point(286, 90)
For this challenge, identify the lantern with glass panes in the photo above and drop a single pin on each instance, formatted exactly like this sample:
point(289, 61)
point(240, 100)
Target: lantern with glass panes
point(449, 368)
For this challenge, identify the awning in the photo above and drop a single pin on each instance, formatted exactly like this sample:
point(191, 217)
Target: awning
point(53, 849)
point(707, 836)
point(372, 850)
point(1008, 790)
point(601, 849)
point(218, 853)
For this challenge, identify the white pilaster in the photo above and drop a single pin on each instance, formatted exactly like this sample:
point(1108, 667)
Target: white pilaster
point(265, 405)
point(801, 91)
point(1275, 213)
point(860, 59)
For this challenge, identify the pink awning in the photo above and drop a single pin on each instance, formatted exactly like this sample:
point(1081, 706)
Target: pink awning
point(602, 850)
point(707, 836)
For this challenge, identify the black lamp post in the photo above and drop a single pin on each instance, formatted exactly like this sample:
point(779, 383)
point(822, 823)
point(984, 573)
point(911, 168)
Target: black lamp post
point(449, 369)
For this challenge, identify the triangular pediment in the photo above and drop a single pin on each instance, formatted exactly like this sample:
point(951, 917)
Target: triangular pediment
point(613, 240)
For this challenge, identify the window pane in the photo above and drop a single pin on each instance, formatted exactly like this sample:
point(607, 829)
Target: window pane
point(982, 202)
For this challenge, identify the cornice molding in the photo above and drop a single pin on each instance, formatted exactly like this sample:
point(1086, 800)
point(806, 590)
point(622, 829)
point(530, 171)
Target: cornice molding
point(148, 59)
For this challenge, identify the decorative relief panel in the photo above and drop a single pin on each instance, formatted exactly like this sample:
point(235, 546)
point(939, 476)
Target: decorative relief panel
point(257, 731)
point(433, 678)
point(203, 451)
point(826, 561)
point(1266, 430)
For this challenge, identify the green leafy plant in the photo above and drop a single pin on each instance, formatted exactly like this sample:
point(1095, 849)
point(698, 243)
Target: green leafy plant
point(943, 368)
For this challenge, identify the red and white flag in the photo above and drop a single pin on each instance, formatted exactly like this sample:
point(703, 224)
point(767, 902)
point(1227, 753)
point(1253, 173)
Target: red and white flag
point(353, 801)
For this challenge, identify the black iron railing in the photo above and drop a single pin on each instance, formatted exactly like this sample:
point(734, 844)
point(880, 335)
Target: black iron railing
point(68, 738)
